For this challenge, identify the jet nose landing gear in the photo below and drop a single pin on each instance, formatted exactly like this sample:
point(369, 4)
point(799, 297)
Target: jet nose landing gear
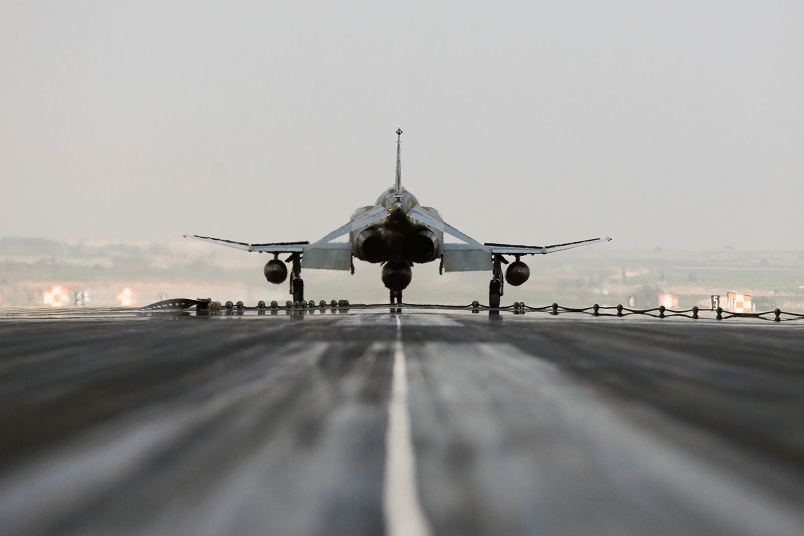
point(396, 276)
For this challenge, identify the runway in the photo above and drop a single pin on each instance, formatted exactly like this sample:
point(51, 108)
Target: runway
point(399, 423)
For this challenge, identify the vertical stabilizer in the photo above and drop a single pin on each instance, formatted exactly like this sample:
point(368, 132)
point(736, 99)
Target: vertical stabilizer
point(399, 161)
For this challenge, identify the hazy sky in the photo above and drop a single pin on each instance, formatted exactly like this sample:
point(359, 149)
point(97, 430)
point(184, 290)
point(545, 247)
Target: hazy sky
point(674, 124)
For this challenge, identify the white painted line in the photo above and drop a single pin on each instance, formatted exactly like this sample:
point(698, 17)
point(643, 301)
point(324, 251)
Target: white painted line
point(401, 507)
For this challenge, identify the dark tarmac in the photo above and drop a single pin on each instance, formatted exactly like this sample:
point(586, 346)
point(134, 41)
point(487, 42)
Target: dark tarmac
point(410, 423)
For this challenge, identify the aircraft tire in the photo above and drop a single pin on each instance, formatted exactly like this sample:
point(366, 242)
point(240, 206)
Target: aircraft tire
point(298, 290)
point(494, 293)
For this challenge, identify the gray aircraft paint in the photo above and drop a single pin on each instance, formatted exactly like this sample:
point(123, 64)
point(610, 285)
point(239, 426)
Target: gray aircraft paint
point(390, 233)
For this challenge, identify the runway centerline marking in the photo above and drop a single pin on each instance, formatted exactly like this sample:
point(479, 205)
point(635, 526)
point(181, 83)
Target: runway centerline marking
point(401, 507)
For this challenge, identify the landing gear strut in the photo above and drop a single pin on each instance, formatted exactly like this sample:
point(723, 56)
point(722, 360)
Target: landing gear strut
point(496, 284)
point(396, 295)
point(296, 282)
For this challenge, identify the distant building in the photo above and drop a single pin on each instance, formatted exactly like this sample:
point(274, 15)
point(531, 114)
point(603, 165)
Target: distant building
point(669, 301)
point(55, 296)
point(738, 303)
point(127, 297)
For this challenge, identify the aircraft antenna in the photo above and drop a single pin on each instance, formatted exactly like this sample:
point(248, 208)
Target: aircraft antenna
point(399, 161)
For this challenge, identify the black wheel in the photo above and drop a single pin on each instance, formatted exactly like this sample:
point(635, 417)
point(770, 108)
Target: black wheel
point(494, 293)
point(298, 290)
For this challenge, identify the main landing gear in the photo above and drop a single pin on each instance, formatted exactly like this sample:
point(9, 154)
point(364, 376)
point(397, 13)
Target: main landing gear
point(495, 292)
point(296, 282)
point(496, 284)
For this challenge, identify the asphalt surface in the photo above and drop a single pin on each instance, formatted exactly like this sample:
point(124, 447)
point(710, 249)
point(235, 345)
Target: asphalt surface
point(411, 423)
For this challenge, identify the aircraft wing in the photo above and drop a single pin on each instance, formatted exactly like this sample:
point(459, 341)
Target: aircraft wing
point(323, 254)
point(419, 214)
point(363, 220)
point(511, 249)
point(274, 247)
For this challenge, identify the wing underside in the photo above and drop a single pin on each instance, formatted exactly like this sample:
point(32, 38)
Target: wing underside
point(514, 249)
point(273, 247)
point(472, 256)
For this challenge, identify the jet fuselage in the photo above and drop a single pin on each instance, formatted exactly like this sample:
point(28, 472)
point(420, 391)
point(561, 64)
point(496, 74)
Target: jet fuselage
point(397, 237)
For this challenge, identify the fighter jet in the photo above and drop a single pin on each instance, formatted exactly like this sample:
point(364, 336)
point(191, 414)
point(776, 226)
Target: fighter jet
point(397, 232)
